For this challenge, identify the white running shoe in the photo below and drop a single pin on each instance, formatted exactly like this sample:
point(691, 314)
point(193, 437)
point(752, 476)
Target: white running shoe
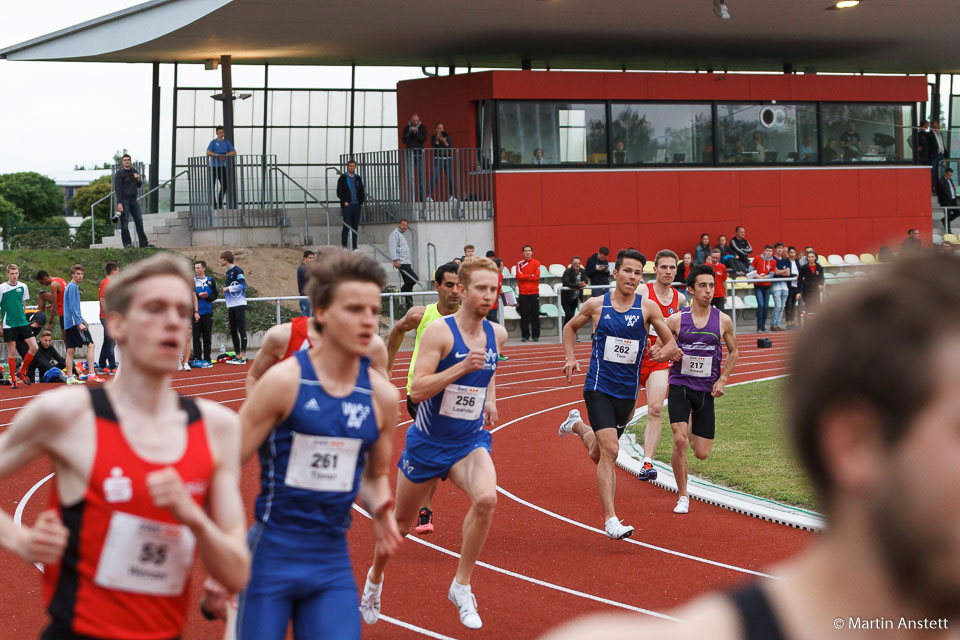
point(616, 530)
point(370, 601)
point(567, 425)
point(683, 505)
point(180, 366)
point(186, 366)
point(467, 604)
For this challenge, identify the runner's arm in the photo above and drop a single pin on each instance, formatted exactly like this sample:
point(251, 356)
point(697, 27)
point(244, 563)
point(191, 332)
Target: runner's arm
point(377, 352)
point(436, 342)
point(271, 350)
point(270, 403)
point(588, 310)
point(668, 348)
point(375, 493)
point(409, 322)
point(490, 413)
point(22, 443)
point(730, 340)
point(656, 350)
point(221, 536)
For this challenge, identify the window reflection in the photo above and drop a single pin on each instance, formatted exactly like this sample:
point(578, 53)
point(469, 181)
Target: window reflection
point(661, 134)
point(552, 133)
point(867, 132)
point(767, 133)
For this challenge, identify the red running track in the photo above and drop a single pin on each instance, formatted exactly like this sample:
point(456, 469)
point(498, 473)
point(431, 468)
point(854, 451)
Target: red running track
point(546, 559)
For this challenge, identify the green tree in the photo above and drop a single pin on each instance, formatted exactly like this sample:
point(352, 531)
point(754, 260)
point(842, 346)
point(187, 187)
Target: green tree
point(86, 196)
point(37, 196)
point(49, 233)
point(81, 239)
point(10, 214)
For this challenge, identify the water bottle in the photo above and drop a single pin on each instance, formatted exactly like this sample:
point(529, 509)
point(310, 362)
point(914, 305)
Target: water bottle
point(36, 375)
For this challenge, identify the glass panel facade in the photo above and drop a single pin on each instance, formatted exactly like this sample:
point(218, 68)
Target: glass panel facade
point(552, 133)
point(660, 134)
point(766, 133)
point(866, 132)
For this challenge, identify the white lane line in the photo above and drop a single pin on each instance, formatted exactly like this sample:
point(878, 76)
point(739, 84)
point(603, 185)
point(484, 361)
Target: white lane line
point(594, 529)
point(18, 514)
point(541, 583)
point(415, 628)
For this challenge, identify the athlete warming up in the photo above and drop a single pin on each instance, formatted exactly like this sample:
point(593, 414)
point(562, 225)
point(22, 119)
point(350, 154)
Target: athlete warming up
point(145, 479)
point(417, 318)
point(453, 384)
point(322, 421)
point(622, 320)
point(695, 377)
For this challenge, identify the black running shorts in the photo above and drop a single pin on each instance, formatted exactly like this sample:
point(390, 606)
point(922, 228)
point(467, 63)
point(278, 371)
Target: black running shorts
point(73, 337)
point(607, 412)
point(682, 401)
point(12, 334)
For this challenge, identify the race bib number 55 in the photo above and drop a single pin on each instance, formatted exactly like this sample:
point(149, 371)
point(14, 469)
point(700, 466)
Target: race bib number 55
point(145, 556)
point(321, 463)
point(463, 402)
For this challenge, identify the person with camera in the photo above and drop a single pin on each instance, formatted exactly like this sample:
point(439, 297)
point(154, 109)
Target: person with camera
point(126, 184)
point(414, 137)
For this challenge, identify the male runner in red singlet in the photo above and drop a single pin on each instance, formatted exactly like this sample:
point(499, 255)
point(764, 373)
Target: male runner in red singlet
point(654, 376)
point(57, 286)
point(283, 340)
point(145, 480)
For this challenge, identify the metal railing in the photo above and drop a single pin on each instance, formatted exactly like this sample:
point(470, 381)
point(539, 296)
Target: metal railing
point(235, 191)
point(93, 234)
point(426, 184)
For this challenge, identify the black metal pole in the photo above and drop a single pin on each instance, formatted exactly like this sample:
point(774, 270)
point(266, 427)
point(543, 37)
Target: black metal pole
point(173, 154)
point(153, 198)
point(353, 102)
point(227, 98)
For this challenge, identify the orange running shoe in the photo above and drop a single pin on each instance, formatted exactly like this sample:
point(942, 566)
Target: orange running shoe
point(424, 522)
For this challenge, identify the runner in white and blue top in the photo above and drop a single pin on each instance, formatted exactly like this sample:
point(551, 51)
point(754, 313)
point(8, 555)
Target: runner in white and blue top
point(454, 385)
point(621, 321)
point(322, 422)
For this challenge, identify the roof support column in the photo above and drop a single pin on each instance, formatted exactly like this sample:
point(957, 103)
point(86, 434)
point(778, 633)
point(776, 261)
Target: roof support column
point(227, 82)
point(154, 177)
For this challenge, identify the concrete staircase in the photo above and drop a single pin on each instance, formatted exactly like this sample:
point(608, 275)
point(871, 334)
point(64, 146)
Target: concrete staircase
point(166, 229)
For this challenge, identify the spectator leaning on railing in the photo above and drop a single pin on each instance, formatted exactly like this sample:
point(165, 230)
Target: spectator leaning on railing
point(598, 271)
point(764, 267)
point(574, 280)
point(218, 150)
point(810, 282)
point(779, 290)
point(741, 251)
point(400, 255)
point(719, 280)
point(528, 300)
point(791, 309)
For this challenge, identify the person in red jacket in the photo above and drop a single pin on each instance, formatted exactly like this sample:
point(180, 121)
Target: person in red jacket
point(765, 266)
point(528, 298)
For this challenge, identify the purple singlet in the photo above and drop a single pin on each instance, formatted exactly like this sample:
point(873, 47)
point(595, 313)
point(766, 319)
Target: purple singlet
point(702, 354)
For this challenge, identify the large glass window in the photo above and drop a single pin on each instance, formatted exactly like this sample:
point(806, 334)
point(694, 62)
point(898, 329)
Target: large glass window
point(766, 133)
point(552, 133)
point(661, 134)
point(867, 132)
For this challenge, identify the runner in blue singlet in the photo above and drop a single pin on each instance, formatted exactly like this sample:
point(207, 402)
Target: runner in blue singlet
point(322, 422)
point(453, 384)
point(695, 377)
point(621, 321)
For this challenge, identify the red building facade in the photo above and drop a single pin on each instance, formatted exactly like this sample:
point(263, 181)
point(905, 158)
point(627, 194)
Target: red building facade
point(573, 207)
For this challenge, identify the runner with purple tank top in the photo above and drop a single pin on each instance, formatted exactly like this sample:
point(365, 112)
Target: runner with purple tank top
point(695, 377)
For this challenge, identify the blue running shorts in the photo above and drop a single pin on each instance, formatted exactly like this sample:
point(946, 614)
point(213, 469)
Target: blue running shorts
point(424, 458)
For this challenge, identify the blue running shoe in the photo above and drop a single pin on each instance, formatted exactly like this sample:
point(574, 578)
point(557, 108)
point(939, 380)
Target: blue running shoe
point(647, 472)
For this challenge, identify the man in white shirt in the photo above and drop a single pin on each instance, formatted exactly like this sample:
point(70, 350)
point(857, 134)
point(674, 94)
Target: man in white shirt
point(400, 254)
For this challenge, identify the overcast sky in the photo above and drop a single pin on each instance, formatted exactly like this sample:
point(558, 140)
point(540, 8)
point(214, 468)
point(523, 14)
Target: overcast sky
point(55, 115)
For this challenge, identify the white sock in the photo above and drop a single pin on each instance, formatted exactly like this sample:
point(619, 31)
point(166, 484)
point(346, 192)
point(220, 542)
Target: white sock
point(462, 588)
point(613, 519)
point(647, 459)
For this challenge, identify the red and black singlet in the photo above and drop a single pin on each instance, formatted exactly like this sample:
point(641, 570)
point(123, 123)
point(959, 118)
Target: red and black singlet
point(126, 568)
point(299, 338)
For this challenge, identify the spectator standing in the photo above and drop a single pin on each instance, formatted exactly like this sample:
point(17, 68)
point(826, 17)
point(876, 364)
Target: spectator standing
point(235, 297)
point(779, 290)
point(937, 150)
point(702, 252)
point(107, 360)
point(219, 150)
point(205, 288)
point(76, 333)
point(791, 310)
point(574, 280)
point(442, 161)
point(351, 194)
point(765, 268)
point(851, 143)
point(810, 283)
point(741, 251)
point(528, 300)
point(126, 185)
point(947, 195)
point(912, 243)
point(680, 282)
point(926, 148)
point(400, 254)
point(13, 297)
point(303, 276)
point(57, 286)
point(719, 280)
point(598, 271)
point(414, 137)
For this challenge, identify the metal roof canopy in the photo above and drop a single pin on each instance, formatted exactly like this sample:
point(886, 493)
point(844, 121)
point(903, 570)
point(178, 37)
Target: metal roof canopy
point(879, 36)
